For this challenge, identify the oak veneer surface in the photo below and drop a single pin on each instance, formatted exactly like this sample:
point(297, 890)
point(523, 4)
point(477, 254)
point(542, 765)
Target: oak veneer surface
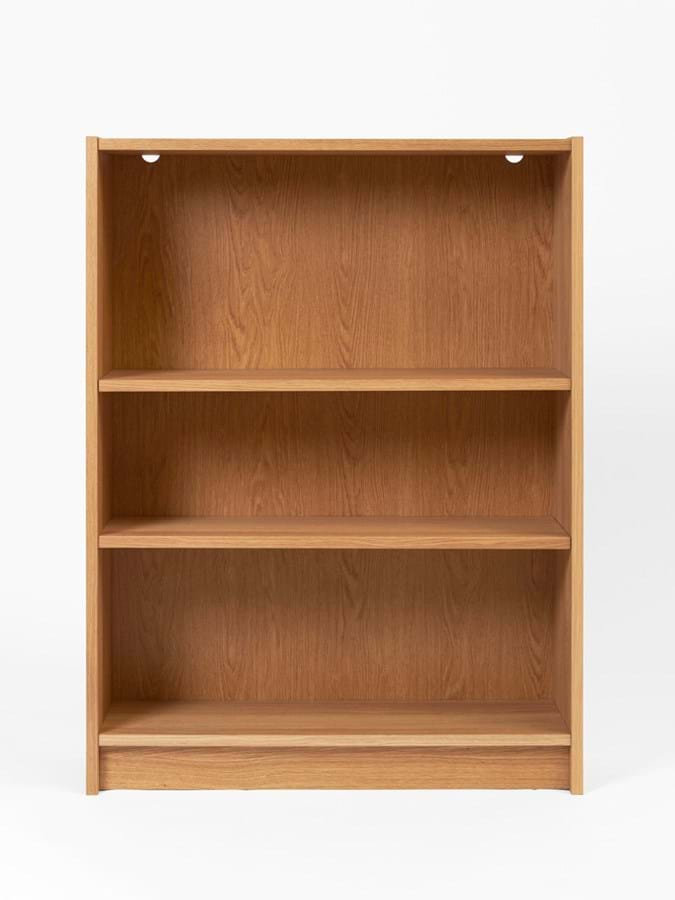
point(99, 360)
point(349, 146)
point(337, 532)
point(213, 724)
point(123, 381)
point(562, 257)
point(576, 464)
point(368, 768)
point(568, 619)
point(305, 454)
point(230, 262)
point(306, 625)
point(333, 329)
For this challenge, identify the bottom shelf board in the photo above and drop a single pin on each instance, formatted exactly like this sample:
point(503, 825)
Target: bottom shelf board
point(337, 532)
point(205, 723)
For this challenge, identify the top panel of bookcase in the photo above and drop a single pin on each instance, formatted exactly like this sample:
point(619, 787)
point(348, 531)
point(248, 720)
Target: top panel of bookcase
point(488, 146)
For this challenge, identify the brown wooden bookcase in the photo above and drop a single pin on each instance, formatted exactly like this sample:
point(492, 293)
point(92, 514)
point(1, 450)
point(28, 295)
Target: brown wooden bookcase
point(334, 434)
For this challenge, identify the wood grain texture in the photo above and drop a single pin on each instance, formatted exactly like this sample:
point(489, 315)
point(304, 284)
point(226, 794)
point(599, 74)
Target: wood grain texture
point(568, 450)
point(369, 454)
point(561, 638)
point(93, 502)
point(337, 533)
point(286, 330)
point(306, 625)
point(562, 264)
point(259, 262)
point(217, 380)
point(99, 344)
point(562, 261)
point(351, 146)
point(213, 724)
point(577, 487)
point(139, 768)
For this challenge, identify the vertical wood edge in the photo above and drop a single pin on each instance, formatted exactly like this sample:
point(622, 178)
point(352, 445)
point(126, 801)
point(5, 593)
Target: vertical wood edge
point(92, 558)
point(576, 750)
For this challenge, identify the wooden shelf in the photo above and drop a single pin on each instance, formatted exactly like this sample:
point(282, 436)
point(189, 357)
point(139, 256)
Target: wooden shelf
point(335, 147)
point(214, 380)
point(376, 532)
point(207, 723)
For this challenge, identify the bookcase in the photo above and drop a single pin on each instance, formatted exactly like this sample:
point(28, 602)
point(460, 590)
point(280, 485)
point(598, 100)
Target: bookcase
point(334, 467)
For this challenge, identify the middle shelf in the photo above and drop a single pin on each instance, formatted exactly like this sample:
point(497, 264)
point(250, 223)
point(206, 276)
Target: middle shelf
point(336, 532)
point(340, 380)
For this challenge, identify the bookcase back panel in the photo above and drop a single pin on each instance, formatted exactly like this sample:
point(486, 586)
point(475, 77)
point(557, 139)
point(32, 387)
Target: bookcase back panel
point(330, 262)
point(332, 625)
point(406, 454)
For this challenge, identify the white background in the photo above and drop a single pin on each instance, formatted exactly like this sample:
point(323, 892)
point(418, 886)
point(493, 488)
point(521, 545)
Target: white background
point(514, 68)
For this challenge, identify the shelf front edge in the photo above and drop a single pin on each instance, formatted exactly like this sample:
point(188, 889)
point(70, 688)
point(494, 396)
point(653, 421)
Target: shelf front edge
point(279, 741)
point(332, 380)
point(341, 146)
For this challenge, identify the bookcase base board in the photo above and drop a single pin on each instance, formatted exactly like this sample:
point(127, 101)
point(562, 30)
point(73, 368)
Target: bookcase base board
point(367, 768)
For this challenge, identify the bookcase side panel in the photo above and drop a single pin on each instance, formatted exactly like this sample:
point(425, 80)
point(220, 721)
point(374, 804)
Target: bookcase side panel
point(568, 453)
point(99, 358)
point(576, 520)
